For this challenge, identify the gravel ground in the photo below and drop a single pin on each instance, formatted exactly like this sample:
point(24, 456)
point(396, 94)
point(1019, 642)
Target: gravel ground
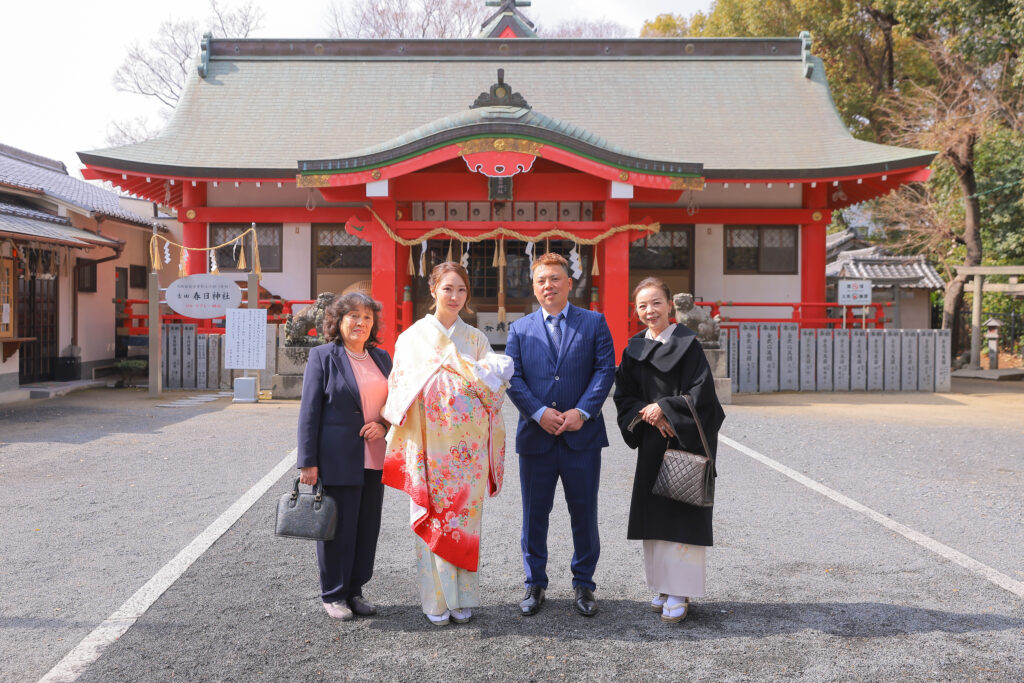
point(798, 586)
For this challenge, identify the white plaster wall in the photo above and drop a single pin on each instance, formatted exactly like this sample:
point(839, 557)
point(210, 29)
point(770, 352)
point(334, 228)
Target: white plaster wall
point(9, 371)
point(712, 284)
point(737, 195)
point(267, 194)
point(293, 282)
point(96, 321)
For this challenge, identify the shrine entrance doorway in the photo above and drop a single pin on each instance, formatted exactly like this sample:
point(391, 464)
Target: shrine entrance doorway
point(486, 278)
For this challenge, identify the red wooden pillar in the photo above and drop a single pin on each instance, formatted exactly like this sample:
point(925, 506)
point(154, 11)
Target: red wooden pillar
point(812, 251)
point(386, 268)
point(193, 196)
point(402, 279)
point(614, 265)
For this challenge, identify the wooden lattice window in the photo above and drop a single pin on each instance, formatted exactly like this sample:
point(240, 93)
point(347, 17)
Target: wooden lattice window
point(269, 235)
point(336, 249)
point(668, 249)
point(7, 299)
point(761, 249)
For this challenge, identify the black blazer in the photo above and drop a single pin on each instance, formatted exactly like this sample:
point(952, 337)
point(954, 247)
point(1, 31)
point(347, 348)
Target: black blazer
point(331, 415)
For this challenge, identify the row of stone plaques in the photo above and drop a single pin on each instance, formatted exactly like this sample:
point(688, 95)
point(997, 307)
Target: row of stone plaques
point(770, 357)
point(196, 361)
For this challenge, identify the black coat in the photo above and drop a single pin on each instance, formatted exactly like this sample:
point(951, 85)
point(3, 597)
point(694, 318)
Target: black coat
point(331, 415)
point(652, 372)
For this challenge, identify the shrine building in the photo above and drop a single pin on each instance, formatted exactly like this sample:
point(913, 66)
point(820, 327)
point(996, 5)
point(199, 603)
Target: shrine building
point(714, 164)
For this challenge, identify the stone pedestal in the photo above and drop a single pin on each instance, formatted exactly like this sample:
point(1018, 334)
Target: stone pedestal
point(245, 390)
point(291, 364)
point(719, 362)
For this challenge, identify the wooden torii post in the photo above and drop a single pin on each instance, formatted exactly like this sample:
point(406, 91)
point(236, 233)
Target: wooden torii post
point(979, 286)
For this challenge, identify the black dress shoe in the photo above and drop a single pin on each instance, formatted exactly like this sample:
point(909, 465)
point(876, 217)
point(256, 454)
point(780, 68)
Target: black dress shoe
point(362, 606)
point(586, 603)
point(532, 601)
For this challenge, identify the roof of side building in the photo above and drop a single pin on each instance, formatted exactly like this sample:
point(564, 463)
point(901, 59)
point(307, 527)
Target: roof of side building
point(39, 175)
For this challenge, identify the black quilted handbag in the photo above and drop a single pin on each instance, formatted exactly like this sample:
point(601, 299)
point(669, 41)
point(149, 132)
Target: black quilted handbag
point(312, 516)
point(687, 477)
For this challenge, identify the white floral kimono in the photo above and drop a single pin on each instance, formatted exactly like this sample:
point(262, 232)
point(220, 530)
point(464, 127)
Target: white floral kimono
point(446, 449)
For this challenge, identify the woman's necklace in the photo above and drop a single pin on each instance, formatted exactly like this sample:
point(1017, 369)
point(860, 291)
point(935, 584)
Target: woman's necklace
point(357, 356)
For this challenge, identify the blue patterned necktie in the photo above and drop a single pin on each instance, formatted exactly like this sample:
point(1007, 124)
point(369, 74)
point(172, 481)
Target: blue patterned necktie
point(556, 330)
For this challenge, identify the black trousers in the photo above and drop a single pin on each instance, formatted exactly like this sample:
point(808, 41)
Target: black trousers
point(346, 563)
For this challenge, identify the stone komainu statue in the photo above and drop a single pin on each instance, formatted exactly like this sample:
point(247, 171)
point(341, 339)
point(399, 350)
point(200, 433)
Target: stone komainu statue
point(697, 319)
point(297, 325)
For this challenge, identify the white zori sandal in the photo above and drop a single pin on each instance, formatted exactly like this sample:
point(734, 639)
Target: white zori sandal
point(439, 619)
point(659, 602)
point(674, 610)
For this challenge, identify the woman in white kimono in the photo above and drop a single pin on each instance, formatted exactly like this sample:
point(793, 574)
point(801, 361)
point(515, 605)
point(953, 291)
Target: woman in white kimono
point(446, 446)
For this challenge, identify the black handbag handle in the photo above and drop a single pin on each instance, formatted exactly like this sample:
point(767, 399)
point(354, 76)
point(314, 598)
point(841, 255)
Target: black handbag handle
point(700, 427)
point(318, 489)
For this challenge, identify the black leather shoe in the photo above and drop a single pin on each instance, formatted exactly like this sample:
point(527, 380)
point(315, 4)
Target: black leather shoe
point(586, 603)
point(532, 601)
point(362, 606)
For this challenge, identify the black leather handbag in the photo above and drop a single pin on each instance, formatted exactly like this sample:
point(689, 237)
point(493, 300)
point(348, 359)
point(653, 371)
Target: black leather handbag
point(312, 516)
point(687, 477)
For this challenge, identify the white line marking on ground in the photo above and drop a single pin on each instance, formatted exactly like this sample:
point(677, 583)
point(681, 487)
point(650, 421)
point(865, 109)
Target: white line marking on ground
point(113, 627)
point(983, 570)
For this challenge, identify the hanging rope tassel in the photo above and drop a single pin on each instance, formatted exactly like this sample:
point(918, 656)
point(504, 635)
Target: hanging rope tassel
point(256, 267)
point(502, 261)
point(449, 251)
point(412, 268)
point(154, 254)
point(183, 262)
point(214, 269)
point(241, 252)
point(595, 270)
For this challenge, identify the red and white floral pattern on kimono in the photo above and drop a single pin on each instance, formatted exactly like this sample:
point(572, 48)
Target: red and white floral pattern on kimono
point(446, 446)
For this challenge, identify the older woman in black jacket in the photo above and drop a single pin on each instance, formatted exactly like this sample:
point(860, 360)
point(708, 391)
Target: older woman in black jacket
point(341, 442)
point(658, 366)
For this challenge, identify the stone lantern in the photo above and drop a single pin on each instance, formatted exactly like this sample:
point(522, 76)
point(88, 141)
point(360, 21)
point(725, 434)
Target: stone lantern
point(992, 326)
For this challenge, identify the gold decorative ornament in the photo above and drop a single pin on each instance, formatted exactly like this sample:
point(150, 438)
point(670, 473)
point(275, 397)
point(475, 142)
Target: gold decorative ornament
point(376, 174)
point(315, 180)
point(478, 145)
point(696, 184)
point(623, 176)
point(816, 216)
point(190, 214)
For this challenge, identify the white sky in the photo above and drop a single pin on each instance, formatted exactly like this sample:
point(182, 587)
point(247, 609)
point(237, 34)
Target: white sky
point(59, 56)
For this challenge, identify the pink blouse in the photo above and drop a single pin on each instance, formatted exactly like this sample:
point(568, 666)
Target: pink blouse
point(373, 390)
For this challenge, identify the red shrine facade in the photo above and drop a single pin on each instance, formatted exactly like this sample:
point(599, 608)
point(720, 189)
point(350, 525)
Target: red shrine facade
point(714, 164)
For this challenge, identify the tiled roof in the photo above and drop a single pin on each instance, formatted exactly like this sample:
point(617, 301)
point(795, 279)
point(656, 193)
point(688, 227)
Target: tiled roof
point(28, 171)
point(841, 241)
point(509, 121)
point(740, 107)
point(26, 223)
point(872, 264)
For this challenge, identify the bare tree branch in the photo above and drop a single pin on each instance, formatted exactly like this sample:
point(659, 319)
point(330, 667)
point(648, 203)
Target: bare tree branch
point(584, 28)
point(405, 18)
point(159, 68)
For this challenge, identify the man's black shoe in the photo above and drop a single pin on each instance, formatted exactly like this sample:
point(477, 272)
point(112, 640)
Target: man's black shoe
point(586, 603)
point(532, 602)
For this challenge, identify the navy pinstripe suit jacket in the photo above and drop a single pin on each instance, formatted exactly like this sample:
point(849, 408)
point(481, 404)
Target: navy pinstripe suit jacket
point(580, 376)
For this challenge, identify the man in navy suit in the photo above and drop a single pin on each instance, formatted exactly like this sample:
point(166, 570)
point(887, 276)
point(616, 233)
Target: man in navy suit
point(564, 367)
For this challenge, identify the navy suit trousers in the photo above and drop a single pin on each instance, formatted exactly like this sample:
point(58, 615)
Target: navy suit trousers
point(346, 562)
point(580, 472)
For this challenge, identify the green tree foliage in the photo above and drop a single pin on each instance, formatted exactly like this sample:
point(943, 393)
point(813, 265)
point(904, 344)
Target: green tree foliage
point(1000, 168)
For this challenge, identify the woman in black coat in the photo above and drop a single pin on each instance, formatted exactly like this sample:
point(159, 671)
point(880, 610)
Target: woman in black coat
point(658, 366)
point(341, 442)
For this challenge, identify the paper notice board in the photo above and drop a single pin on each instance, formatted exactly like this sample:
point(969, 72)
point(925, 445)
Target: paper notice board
point(245, 339)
